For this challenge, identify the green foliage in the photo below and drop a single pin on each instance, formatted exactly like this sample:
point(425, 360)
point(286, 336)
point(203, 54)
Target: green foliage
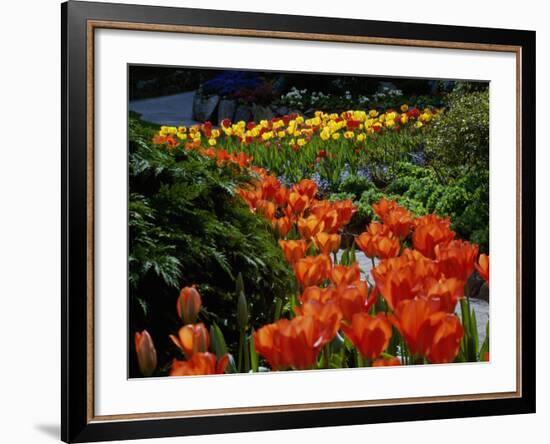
point(460, 137)
point(355, 185)
point(464, 199)
point(187, 226)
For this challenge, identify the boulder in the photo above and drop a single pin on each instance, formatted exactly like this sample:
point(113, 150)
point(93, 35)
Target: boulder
point(204, 106)
point(226, 110)
point(242, 113)
point(260, 112)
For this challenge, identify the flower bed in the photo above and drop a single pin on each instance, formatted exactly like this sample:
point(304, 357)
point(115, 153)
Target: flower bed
point(403, 313)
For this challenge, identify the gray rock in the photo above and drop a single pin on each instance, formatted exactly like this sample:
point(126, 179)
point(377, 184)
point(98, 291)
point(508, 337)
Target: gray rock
point(477, 288)
point(281, 111)
point(242, 113)
point(226, 110)
point(260, 112)
point(204, 107)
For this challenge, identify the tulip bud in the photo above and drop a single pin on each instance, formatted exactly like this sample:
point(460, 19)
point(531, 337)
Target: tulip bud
point(242, 305)
point(146, 353)
point(189, 304)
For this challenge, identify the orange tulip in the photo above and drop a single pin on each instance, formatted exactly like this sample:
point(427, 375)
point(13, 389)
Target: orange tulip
point(315, 293)
point(266, 209)
point(444, 333)
point(310, 226)
point(291, 344)
point(378, 229)
point(342, 275)
point(282, 225)
point(383, 207)
point(297, 203)
point(192, 338)
point(386, 362)
point(398, 285)
point(370, 334)
point(456, 259)
point(189, 304)
point(250, 196)
point(430, 232)
point(269, 187)
point(378, 245)
point(281, 196)
point(482, 267)
point(364, 242)
point(312, 270)
point(293, 249)
point(354, 298)
point(306, 187)
point(346, 210)
point(324, 210)
point(328, 314)
point(400, 221)
point(446, 292)
point(409, 318)
point(146, 353)
point(199, 364)
point(327, 243)
point(403, 277)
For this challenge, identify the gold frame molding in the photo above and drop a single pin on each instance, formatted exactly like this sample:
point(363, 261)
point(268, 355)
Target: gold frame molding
point(92, 25)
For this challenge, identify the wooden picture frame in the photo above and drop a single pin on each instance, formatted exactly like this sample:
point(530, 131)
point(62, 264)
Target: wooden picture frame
point(79, 22)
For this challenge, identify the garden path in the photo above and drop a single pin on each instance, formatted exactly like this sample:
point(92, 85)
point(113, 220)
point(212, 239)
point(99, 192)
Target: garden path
point(174, 110)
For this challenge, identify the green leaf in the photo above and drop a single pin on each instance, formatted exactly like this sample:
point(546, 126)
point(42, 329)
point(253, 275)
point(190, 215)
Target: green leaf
point(218, 341)
point(253, 354)
point(278, 308)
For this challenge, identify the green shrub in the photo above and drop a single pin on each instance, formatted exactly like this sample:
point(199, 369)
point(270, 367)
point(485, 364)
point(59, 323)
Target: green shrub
point(186, 226)
point(355, 185)
point(464, 199)
point(459, 138)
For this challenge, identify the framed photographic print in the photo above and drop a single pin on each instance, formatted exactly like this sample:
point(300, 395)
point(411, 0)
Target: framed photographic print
point(276, 221)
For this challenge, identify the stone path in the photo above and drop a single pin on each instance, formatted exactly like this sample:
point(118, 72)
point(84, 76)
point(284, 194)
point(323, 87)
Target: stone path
point(171, 110)
point(480, 307)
